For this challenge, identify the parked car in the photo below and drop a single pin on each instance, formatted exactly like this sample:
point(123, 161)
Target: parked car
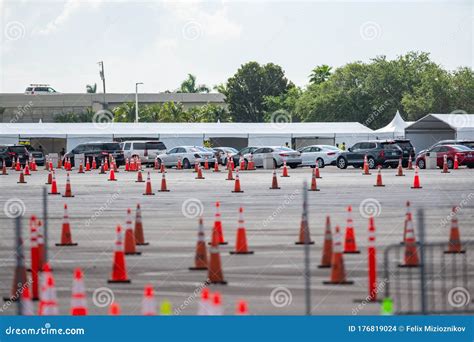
point(468, 143)
point(322, 154)
point(37, 155)
point(8, 153)
point(147, 150)
point(407, 148)
point(189, 155)
point(279, 154)
point(222, 152)
point(99, 150)
point(245, 152)
point(40, 89)
point(383, 153)
point(465, 156)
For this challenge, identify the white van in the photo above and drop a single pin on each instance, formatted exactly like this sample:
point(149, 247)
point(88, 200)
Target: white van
point(146, 150)
point(40, 89)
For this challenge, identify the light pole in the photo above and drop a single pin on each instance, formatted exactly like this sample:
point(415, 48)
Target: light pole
point(136, 101)
point(102, 76)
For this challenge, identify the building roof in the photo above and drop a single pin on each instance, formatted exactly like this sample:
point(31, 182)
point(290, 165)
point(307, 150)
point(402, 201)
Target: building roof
point(458, 122)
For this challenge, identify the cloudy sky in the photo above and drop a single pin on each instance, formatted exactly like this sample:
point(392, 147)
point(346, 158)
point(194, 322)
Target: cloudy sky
point(159, 42)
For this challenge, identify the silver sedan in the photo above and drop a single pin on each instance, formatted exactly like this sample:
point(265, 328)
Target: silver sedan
point(279, 155)
point(188, 155)
point(322, 154)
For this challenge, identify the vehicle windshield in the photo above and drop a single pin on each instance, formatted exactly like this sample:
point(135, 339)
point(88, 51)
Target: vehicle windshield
point(199, 149)
point(283, 149)
point(155, 145)
point(404, 144)
point(18, 149)
point(461, 148)
point(111, 147)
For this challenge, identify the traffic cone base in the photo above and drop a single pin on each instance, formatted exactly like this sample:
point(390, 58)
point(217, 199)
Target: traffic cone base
point(164, 190)
point(347, 282)
point(220, 243)
point(143, 244)
point(324, 266)
point(408, 266)
point(197, 268)
point(133, 253)
point(237, 191)
point(314, 189)
point(126, 281)
point(66, 244)
point(455, 252)
point(237, 252)
point(351, 252)
point(302, 243)
point(379, 186)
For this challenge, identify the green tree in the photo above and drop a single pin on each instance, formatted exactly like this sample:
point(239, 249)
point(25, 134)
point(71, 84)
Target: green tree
point(91, 88)
point(462, 90)
point(320, 74)
point(189, 85)
point(284, 103)
point(246, 91)
point(125, 112)
point(85, 116)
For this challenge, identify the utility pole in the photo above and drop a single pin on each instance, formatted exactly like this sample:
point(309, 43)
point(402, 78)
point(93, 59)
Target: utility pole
point(136, 101)
point(102, 76)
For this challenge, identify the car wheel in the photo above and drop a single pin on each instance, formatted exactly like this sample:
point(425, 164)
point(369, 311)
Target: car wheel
point(186, 164)
point(341, 163)
point(320, 163)
point(450, 163)
point(371, 162)
point(293, 166)
point(421, 164)
point(224, 161)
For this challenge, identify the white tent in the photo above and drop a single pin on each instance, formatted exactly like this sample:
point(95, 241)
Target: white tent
point(395, 129)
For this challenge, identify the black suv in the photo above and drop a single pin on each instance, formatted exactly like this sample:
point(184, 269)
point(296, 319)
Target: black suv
point(13, 152)
point(380, 152)
point(408, 150)
point(99, 150)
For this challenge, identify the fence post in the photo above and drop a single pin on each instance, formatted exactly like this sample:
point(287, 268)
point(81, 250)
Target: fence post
point(421, 232)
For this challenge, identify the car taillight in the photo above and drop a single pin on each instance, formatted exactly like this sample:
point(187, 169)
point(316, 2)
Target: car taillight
point(196, 155)
point(11, 153)
point(284, 155)
point(382, 154)
point(331, 153)
point(104, 153)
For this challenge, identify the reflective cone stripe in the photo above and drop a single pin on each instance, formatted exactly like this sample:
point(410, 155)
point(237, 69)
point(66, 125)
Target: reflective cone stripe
point(316, 171)
point(237, 182)
point(200, 258)
point(372, 261)
point(400, 168)
point(204, 308)
point(48, 298)
point(54, 186)
point(379, 182)
point(139, 235)
point(114, 309)
point(217, 230)
point(139, 177)
point(164, 187)
point(285, 170)
point(26, 302)
point(456, 162)
point(338, 272)
point(241, 246)
point(411, 251)
point(21, 179)
point(215, 274)
point(206, 164)
point(78, 296)
point(366, 166)
point(66, 237)
point(68, 192)
point(454, 245)
point(229, 174)
point(251, 164)
point(216, 305)
point(350, 245)
point(179, 166)
point(274, 181)
point(148, 190)
point(327, 246)
point(242, 163)
point(445, 164)
point(216, 167)
point(199, 172)
point(314, 185)
point(149, 301)
point(305, 235)
point(130, 244)
point(242, 308)
point(119, 268)
point(35, 258)
point(416, 180)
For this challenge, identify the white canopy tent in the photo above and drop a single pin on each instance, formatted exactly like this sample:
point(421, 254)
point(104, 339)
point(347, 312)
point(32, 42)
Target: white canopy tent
point(395, 129)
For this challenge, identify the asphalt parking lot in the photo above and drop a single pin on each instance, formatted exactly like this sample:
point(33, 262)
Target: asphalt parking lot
point(272, 219)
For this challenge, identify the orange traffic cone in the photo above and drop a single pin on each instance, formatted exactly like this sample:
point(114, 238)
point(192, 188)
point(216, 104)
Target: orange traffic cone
point(237, 182)
point(26, 170)
point(366, 167)
point(13, 167)
point(119, 268)
point(148, 191)
point(114, 309)
point(40, 238)
point(274, 181)
point(139, 235)
point(196, 166)
point(456, 162)
point(199, 172)
point(416, 180)
point(4, 170)
point(130, 243)
point(163, 183)
point(94, 164)
point(232, 165)
point(162, 168)
point(206, 164)
point(338, 272)
point(106, 164)
point(411, 251)
point(26, 302)
point(217, 230)
point(179, 165)
point(316, 171)
point(204, 305)
point(350, 245)
point(229, 174)
point(285, 170)
point(454, 245)
point(305, 235)
point(35, 258)
point(139, 177)
point(327, 247)
point(200, 258)
point(48, 305)
point(215, 274)
point(379, 182)
point(54, 186)
point(242, 163)
point(216, 167)
point(251, 164)
point(66, 238)
point(21, 179)
point(241, 240)
point(242, 308)
point(149, 301)
point(156, 165)
point(445, 164)
point(408, 216)
point(68, 192)
point(400, 168)
point(78, 297)
point(314, 185)
point(88, 165)
point(18, 165)
point(112, 175)
point(81, 168)
point(127, 164)
point(410, 163)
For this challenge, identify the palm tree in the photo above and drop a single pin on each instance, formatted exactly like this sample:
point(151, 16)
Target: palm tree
point(91, 89)
point(320, 74)
point(189, 86)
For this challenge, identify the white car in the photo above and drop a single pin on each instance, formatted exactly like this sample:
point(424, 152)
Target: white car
point(40, 89)
point(279, 155)
point(146, 150)
point(189, 155)
point(323, 154)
